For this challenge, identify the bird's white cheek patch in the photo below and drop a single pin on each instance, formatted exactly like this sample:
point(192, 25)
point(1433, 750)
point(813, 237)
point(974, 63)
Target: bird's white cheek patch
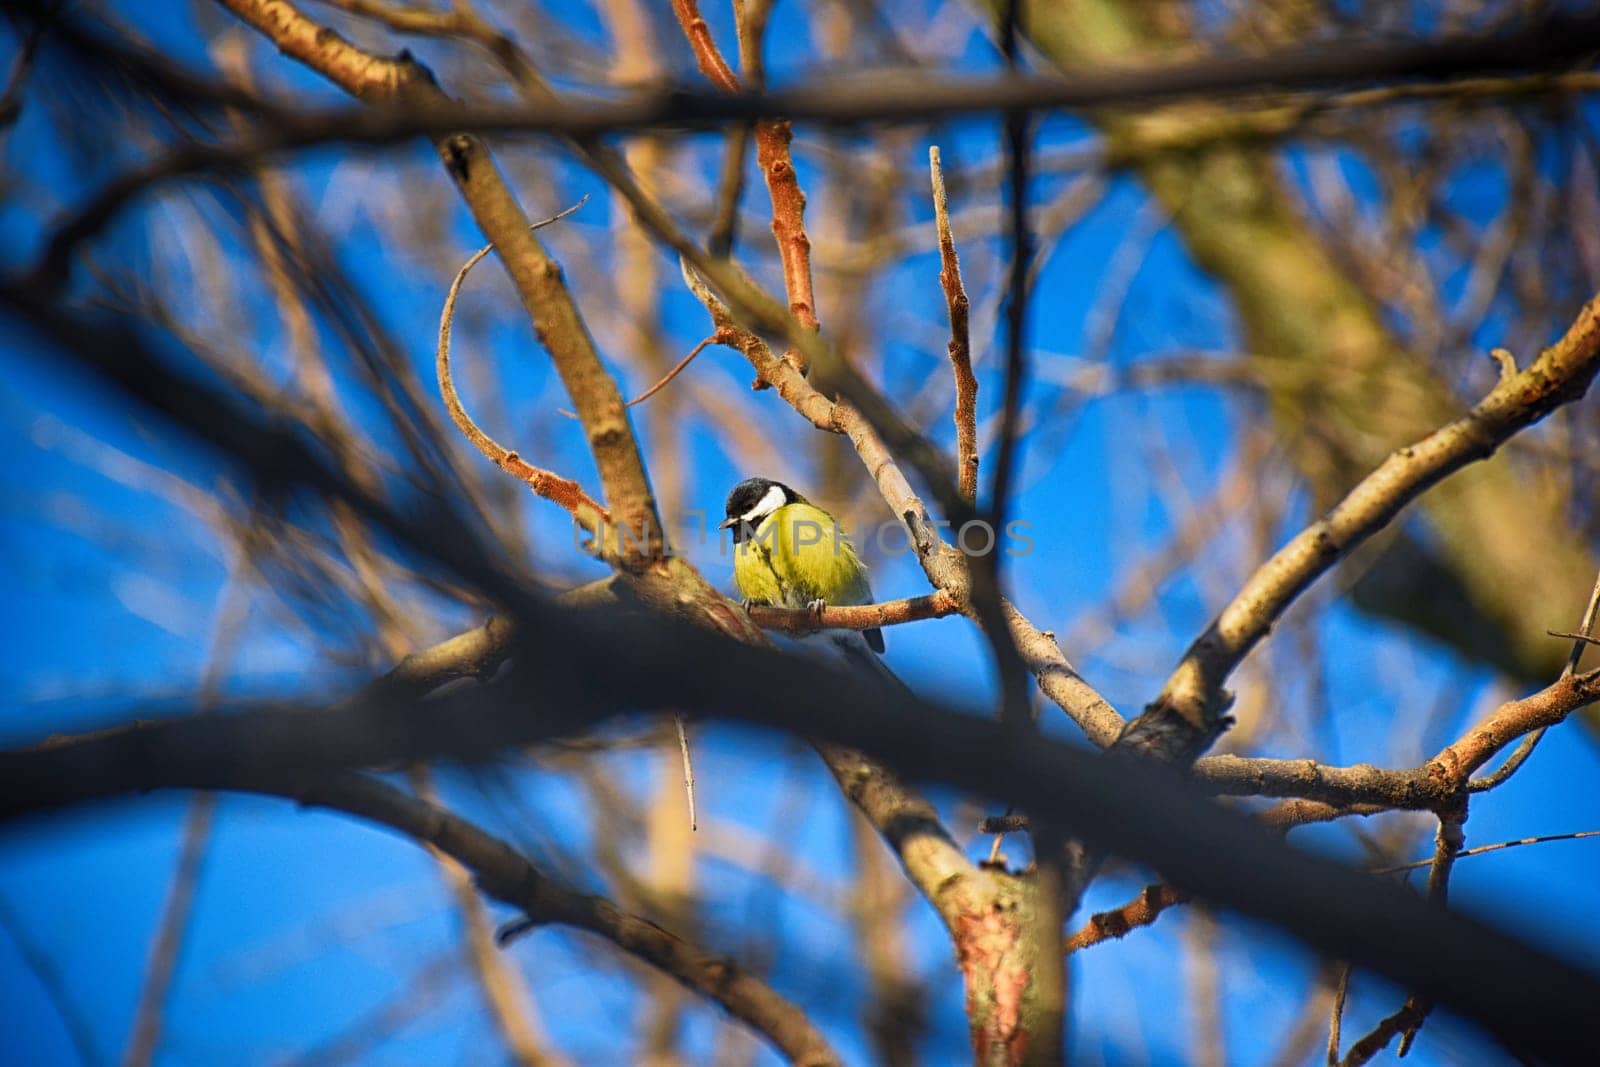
point(764, 507)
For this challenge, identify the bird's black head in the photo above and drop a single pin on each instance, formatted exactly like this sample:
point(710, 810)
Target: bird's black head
point(753, 500)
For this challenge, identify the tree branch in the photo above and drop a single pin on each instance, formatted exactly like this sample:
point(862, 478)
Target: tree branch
point(960, 348)
point(858, 617)
point(564, 492)
point(403, 86)
point(1139, 810)
point(503, 873)
point(945, 568)
point(1188, 713)
point(890, 99)
point(1429, 786)
point(773, 156)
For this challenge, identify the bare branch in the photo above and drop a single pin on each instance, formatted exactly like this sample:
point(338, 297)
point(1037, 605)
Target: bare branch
point(946, 568)
point(1580, 640)
point(535, 275)
point(506, 875)
point(1409, 1019)
point(564, 492)
point(1189, 711)
point(1142, 910)
point(856, 617)
point(773, 155)
point(1142, 811)
point(956, 305)
point(902, 99)
point(666, 378)
point(1431, 785)
point(706, 54)
point(504, 989)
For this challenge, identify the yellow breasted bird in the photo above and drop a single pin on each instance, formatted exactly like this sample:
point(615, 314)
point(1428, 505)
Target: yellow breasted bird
point(790, 553)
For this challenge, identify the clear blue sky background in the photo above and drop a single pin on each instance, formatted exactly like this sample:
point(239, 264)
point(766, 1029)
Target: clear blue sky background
point(305, 921)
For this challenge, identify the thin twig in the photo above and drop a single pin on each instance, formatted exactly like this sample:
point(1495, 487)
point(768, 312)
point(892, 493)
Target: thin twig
point(1447, 846)
point(1576, 835)
point(505, 992)
point(1336, 1015)
point(934, 605)
point(730, 191)
point(1414, 1012)
point(776, 160)
point(1017, 287)
point(666, 378)
point(1189, 712)
point(1580, 640)
point(37, 961)
point(707, 56)
point(1142, 910)
point(750, 20)
point(985, 569)
point(960, 348)
point(688, 768)
point(144, 1035)
point(1302, 1037)
point(564, 492)
point(1201, 968)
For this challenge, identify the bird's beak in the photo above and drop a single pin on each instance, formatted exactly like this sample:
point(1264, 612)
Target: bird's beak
point(727, 524)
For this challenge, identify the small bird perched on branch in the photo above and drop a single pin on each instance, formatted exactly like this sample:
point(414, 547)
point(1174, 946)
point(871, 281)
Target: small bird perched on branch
point(790, 553)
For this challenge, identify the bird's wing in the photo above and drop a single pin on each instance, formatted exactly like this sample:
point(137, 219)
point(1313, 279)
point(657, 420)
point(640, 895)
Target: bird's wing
point(754, 575)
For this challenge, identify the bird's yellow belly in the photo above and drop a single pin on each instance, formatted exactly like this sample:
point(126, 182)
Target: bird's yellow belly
point(796, 556)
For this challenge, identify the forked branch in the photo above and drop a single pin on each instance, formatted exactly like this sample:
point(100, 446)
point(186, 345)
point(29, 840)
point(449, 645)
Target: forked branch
point(1189, 711)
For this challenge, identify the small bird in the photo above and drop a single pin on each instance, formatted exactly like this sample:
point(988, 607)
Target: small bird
point(790, 553)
